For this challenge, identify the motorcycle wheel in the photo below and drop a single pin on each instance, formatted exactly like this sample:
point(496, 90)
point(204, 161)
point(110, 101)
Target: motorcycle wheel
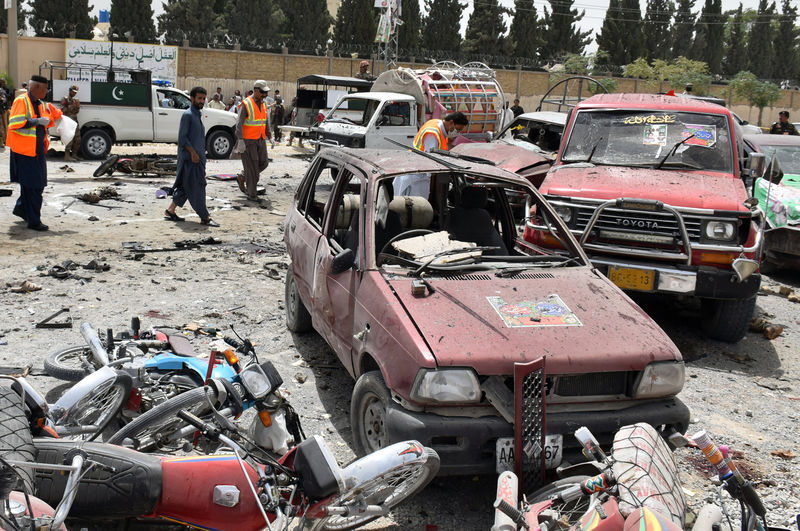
point(16, 440)
point(568, 513)
point(71, 364)
point(386, 490)
point(93, 413)
point(153, 430)
point(107, 167)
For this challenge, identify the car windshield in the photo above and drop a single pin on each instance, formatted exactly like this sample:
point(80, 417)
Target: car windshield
point(788, 156)
point(458, 221)
point(645, 138)
point(356, 111)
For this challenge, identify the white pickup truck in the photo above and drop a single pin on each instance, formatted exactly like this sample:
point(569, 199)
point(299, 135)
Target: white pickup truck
point(152, 117)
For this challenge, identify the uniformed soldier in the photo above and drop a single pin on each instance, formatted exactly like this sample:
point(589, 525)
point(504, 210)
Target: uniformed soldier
point(783, 126)
point(71, 106)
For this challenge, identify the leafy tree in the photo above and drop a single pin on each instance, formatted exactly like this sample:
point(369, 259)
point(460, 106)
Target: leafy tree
point(657, 31)
point(356, 22)
point(563, 34)
point(193, 20)
point(639, 69)
point(708, 36)
point(735, 47)
point(683, 33)
point(134, 16)
point(485, 28)
point(440, 30)
point(525, 33)
point(787, 43)
point(758, 93)
point(682, 71)
point(307, 20)
point(255, 24)
point(58, 18)
point(410, 33)
point(20, 18)
point(760, 47)
point(621, 35)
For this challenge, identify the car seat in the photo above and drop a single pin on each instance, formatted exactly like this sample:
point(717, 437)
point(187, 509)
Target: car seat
point(470, 221)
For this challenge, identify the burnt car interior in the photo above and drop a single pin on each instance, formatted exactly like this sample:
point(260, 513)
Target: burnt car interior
point(545, 136)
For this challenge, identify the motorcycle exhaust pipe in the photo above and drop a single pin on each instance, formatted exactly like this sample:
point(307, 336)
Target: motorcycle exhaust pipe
point(90, 335)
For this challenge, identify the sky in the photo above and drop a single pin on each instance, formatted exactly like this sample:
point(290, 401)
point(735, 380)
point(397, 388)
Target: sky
point(593, 20)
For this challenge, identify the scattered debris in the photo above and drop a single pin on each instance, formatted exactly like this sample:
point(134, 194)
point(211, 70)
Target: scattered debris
point(785, 291)
point(156, 314)
point(26, 286)
point(94, 218)
point(47, 321)
point(300, 377)
point(783, 454)
point(67, 168)
point(770, 330)
point(100, 193)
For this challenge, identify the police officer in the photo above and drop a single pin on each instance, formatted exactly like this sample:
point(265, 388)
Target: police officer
point(783, 126)
point(71, 106)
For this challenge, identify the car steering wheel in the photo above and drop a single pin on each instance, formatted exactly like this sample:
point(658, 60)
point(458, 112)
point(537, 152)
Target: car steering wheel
point(401, 236)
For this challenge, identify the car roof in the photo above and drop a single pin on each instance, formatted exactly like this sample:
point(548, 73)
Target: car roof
point(650, 101)
point(382, 96)
point(773, 140)
point(389, 162)
point(336, 80)
point(558, 118)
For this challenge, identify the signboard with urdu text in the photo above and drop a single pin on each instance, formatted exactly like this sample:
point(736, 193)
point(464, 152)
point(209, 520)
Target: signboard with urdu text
point(162, 61)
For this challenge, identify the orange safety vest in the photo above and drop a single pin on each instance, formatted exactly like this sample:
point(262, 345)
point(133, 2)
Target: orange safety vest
point(21, 139)
point(255, 124)
point(431, 127)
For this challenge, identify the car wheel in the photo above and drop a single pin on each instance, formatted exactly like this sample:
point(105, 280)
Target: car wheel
point(297, 317)
point(727, 320)
point(96, 144)
point(219, 144)
point(368, 409)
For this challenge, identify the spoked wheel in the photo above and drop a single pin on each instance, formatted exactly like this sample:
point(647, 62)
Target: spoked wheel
point(567, 514)
point(386, 490)
point(71, 364)
point(90, 416)
point(158, 428)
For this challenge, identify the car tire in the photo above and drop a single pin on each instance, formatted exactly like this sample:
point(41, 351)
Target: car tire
point(219, 144)
point(298, 319)
point(727, 320)
point(96, 144)
point(369, 406)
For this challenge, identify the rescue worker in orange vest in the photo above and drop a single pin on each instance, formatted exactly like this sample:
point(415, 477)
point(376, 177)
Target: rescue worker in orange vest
point(251, 131)
point(432, 134)
point(27, 137)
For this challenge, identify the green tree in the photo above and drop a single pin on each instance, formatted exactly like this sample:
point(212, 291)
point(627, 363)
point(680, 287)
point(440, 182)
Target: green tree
point(683, 32)
point(735, 45)
point(620, 39)
point(307, 20)
point(21, 13)
point(255, 24)
point(760, 42)
point(192, 20)
point(525, 33)
point(485, 28)
point(356, 22)
point(682, 71)
point(59, 18)
point(657, 31)
point(563, 34)
point(787, 43)
point(134, 16)
point(440, 29)
point(757, 93)
point(410, 32)
point(708, 37)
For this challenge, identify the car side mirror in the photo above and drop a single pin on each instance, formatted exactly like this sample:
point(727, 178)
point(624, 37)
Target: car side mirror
point(756, 163)
point(343, 261)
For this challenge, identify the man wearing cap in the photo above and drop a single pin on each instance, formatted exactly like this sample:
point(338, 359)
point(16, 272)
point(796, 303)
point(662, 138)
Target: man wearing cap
point(363, 71)
point(27, 137)
point(215, 103)
point(71, 106)
point(783, 126)
point(251, 132)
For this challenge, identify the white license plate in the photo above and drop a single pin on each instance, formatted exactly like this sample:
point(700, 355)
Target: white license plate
point(553, 450)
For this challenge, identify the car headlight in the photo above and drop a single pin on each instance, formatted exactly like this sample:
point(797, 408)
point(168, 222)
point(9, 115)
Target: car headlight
point(720, 230)
point(446, 386)
point(660, 379)
point(564, 212)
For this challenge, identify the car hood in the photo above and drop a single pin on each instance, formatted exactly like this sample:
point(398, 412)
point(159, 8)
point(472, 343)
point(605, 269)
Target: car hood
point(507, 156)
point(220, 117)
point(679, 189)
point(573, 316)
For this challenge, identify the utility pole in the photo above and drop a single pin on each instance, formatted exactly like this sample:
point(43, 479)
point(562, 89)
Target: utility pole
point(12, 43)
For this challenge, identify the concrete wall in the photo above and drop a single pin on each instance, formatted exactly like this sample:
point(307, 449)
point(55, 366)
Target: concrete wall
point(231, 69)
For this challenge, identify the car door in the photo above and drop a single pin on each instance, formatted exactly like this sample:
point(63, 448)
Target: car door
point(304, 225)
point(335, 293)
point(167, 111)
point(394, 121)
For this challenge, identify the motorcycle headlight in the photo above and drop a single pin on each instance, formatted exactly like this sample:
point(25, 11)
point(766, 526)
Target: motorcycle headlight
point(660, 379)
point(720, 230)
point(564, 212)
point(446, 386)
point(255, 381)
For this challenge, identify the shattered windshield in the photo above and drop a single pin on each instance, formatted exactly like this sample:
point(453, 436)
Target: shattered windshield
point(667, 139)
point(356, 111)
point(788, 156)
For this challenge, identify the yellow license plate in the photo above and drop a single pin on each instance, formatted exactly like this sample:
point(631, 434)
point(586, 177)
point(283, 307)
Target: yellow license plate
point(631, 278)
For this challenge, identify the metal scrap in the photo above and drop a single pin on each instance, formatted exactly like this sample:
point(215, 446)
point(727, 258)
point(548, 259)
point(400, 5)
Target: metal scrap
point(47, 321)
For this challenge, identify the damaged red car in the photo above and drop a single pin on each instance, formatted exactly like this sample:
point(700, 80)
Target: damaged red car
point(414, 270)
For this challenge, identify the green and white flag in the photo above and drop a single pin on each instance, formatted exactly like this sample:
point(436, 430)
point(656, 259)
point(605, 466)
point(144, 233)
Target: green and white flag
point(121, 94)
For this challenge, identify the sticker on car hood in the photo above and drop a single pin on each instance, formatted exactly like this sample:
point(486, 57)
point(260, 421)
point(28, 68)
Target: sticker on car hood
point(549, 312)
